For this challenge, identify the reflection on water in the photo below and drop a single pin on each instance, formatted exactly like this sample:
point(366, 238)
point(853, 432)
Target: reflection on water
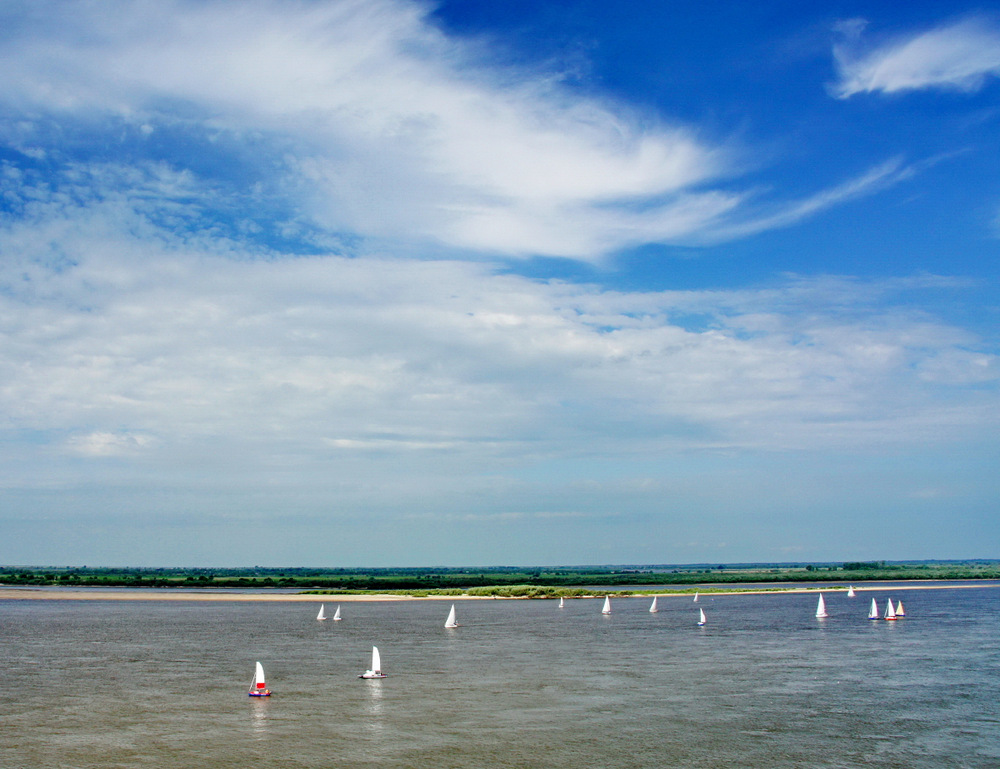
point(373, 706)
point(521, 684)
point(258, 715)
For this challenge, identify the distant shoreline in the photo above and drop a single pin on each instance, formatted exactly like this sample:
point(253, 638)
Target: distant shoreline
point(180, 594)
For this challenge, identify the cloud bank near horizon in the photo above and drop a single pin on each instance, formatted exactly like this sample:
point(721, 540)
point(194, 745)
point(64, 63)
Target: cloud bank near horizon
point(122, 345)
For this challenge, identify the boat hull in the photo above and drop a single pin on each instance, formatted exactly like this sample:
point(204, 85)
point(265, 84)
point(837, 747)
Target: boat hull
point(265, 693)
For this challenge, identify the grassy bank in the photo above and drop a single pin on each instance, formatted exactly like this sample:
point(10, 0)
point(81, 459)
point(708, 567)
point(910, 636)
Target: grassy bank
point(518, 581)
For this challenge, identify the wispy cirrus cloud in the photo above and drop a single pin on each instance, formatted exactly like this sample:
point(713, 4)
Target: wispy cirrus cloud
point(370, 118)
point(960, 56)
point(362, 119)
point(765, 218)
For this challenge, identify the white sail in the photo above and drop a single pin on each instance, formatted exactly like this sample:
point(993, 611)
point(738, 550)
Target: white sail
point(701, 616)
point(899, 609)
point(821, 608)
point(376, 668)
point(451, 621)
point(562, 603)
point(850, 591)
point(890, 612)
point(336, 615)
point(652, 607)
point(873, 612)
point(258, 688)
point(696, 597)
point(607, 605)
point(322, 612)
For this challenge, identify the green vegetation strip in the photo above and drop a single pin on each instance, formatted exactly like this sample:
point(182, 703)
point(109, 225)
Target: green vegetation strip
point(518, 581)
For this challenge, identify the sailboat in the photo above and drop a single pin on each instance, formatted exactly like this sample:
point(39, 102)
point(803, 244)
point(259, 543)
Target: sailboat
point(607, 605)
point(376, 668)
point(821, 608)
point(336, 615)
point(890, 612)
point(899, 609)
point(322, 612)
point(257, 687)
point(451, 621)
point(652, 607)
point(873, 611)
point(562, 602)
point(696, 597)
point(850, 591)
point(701, 617)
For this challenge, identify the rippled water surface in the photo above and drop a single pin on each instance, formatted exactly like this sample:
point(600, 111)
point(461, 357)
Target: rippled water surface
point(519, 684)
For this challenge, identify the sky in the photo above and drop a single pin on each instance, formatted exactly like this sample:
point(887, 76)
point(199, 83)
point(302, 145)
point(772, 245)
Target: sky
point(384, 282)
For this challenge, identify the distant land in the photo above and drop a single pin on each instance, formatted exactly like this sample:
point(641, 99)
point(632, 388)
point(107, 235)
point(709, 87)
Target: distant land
point(523, 581)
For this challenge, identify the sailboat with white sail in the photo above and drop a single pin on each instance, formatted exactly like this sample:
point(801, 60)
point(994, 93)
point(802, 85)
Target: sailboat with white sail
point(562, 602)
point(258, 687)
point(336, 615)
point(850, 591)
point(376, 669)
point(607, 605)
point(821, 608)
point(322, 612)
point(701, 617)
point(890, 611)
point(451, 621)
point(696, 596)
point(873, 611)
point(652, 608)
point(899, 609)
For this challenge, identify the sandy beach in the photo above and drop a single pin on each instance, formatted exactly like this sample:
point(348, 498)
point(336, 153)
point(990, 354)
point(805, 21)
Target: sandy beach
point(180, 594)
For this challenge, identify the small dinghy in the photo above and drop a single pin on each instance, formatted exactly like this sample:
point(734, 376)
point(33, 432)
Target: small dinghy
point(336, 615)
point(850, 591)
point(562, 603)
point(376, 669)
point(890, 611)
point(322, 612)
point(607, 605)
point(696, 597)
point(258, 688)
point(652, 606)
point(701, 617)
point(451, 621)
point(899, 609)
point(873, 611)
point(821, 608)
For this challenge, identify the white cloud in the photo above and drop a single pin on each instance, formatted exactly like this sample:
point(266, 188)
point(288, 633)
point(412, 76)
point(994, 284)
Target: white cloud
point(879, 178)
point(393, 128)
point(960, 56)
point(108, 444)
point(201, 360)
point(365, 119)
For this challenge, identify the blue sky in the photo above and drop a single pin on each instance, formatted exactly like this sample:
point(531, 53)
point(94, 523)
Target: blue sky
point(470, 283)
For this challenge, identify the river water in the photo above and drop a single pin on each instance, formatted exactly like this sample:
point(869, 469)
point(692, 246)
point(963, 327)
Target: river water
point(520, 684)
